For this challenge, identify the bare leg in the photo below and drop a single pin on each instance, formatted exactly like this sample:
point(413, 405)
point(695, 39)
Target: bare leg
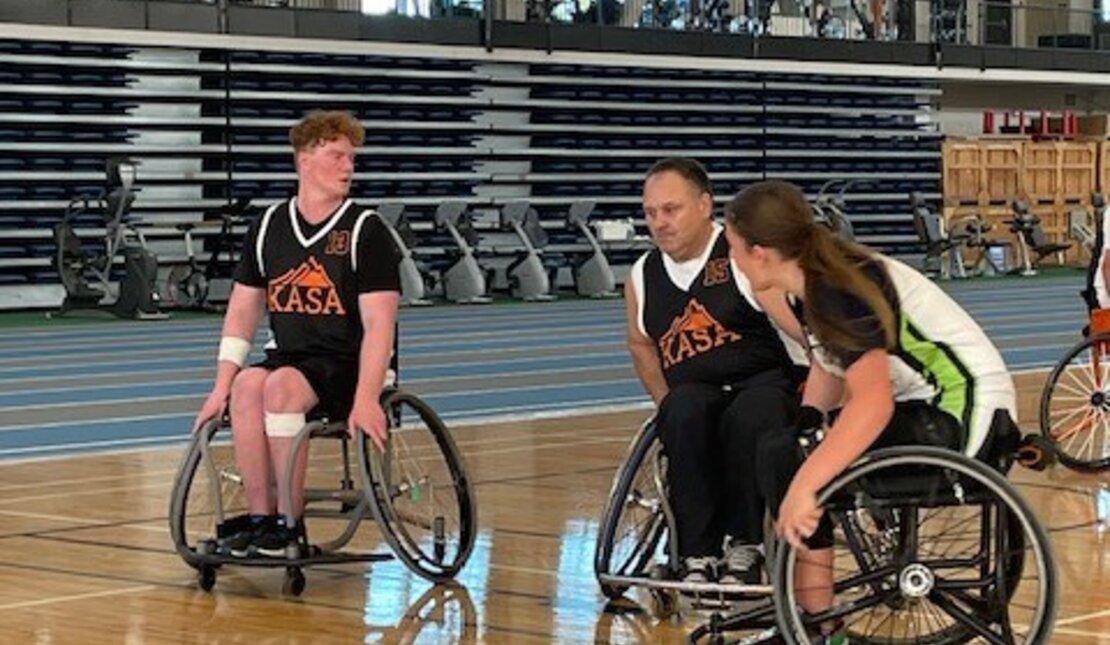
point(252, 454)
point(287, 391)
point(813, 579)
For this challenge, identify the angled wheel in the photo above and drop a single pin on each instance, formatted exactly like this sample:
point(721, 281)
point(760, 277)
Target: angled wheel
point(206, 490)
point(1075, 406)
point(634, 527)
point(186, 287)
point(930, 547)
point(421, 495)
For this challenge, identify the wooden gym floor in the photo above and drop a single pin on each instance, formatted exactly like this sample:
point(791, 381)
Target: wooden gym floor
point(85, 555)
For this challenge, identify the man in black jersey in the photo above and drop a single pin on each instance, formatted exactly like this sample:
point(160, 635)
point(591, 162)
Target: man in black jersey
point(325, 272)
point(717, 369)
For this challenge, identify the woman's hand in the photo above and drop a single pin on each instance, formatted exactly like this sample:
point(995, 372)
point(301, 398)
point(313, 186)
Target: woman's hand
point(799, 515)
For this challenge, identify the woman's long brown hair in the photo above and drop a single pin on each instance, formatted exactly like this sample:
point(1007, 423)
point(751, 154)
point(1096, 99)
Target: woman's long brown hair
point(776, 215)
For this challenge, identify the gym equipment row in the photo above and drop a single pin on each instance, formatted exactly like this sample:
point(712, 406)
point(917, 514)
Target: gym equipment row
point(470, 267)
point(964, 248)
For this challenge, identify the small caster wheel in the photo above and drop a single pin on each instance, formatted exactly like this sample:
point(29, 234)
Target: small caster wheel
point(294, 581)
point(206, 577)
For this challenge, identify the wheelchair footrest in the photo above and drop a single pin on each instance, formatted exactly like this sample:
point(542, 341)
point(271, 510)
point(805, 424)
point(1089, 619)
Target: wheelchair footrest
point(316, 558)
point(694, 588)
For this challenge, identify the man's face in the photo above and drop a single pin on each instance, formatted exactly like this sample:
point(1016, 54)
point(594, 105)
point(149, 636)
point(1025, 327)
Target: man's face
point(677, 213)
point(755, 262)
point(327, 167)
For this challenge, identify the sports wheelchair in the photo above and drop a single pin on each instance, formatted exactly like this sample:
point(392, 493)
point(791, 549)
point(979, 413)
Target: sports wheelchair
point(417, 490)
point(930, 546)
point(1075, 401)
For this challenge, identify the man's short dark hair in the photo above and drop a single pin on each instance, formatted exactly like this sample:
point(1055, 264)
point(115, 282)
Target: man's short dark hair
point(689, 169)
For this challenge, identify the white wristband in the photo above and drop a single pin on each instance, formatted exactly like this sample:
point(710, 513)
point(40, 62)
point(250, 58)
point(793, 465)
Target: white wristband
point(234, 350)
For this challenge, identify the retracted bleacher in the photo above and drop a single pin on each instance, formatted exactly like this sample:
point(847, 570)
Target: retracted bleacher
point(209, 126)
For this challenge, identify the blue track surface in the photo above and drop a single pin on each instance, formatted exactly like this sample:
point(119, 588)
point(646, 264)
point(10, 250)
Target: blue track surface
point(130, 385)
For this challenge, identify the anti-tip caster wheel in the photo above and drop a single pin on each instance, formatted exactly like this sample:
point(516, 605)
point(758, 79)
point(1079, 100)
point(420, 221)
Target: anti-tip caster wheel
point(294, 581)
point(206, 577)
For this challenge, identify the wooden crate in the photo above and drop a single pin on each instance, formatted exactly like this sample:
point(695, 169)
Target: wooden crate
point(1078, 171)
point(1104, 167)
point(963, 170)
point(1040, 171)
point(1001, 171)
point(1059, 172)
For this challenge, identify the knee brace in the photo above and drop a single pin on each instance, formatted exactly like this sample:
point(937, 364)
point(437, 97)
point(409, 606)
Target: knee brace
point(284, 424)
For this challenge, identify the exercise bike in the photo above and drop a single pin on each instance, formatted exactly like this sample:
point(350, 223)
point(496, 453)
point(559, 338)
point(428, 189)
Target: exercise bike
point(197, 286)
point(136, 296)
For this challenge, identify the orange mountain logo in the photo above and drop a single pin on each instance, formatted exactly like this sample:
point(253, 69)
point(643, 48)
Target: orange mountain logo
point(306, 289)
point(693, 333)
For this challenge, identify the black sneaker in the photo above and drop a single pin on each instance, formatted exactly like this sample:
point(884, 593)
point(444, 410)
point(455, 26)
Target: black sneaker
point(236, 534)
point(742, 564)
point(237, 544)
point(274, 537)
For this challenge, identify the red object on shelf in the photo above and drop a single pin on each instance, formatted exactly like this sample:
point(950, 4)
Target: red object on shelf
point(1049, 124)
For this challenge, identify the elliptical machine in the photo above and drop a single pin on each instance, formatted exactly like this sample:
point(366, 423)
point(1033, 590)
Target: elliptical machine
point(463, 280)
point(136, 296)
point(593, 277)
point(412, 280)
point(528, 278)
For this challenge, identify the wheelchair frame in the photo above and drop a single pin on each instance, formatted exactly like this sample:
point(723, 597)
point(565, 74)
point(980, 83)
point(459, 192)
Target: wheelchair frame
point(967, 482)
point(374, 500)
point(657, 579)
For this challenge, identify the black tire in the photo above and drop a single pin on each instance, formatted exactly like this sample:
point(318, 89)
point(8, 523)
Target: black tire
point(963, 587)
point(1075, 406)
point(192, 514)
point(648, 534)
point(186, 287)
point(436, 552)
point(206, 577)
point(294, 582)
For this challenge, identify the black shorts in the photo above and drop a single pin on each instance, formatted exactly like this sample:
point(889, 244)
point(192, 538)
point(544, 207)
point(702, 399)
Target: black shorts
point(913, 423)
point(333, 380)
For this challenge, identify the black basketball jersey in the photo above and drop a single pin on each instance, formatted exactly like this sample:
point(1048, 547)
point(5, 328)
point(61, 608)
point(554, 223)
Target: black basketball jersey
point(710, 333)
point(313, 275)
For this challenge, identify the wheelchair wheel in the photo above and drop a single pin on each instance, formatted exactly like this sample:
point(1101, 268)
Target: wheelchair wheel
point(1075, 406)
point(206, 490)
point(929, 547)
point(186, 287)
point(422, 497)
point(635, 523)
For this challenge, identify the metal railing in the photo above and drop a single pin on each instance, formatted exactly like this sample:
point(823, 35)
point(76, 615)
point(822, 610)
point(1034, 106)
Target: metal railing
point(1056, 24)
